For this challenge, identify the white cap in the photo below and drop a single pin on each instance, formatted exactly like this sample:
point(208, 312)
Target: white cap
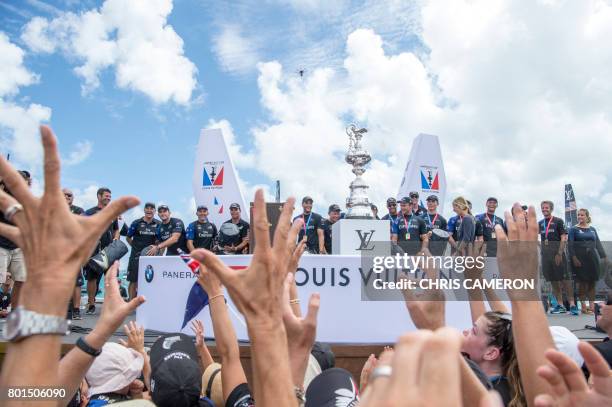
point(115, 368)
point(566, 342)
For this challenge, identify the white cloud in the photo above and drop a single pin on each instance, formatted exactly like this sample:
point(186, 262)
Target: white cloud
point(132, 37)
point(236, 53)
point(516, 95)
point(18, 124)
point(13, 73)
point(82, 150)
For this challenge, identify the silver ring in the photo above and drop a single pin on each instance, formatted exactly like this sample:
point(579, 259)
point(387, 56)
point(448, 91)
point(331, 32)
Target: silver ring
point(11, 211)
point(381, 371)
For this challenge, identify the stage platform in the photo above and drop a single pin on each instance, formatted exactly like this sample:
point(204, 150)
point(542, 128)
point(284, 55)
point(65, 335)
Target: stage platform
point(348, 356)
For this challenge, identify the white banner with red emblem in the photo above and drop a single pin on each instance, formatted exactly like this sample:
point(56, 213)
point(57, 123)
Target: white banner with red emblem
point(215, 184)
point(424, 171)
point(166, 283)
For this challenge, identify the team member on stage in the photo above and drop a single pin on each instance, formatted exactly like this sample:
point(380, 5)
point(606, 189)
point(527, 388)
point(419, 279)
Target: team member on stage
point(333, 215)
point(112, 233)
point(374, 211)
point(478, 231)
point(201, 234)
point(433, 220)
point(586, 252)
point(315, 239)
point(170, 234)
point(141, 234)
point(465, 225)
point(241, 242)
point(553, 237)
point(392, 215)
point(77, 210)
point(416, 208)
point(488, 220)
point(410, 231)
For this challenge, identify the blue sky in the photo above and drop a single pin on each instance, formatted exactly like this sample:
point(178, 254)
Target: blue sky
point(513, 108)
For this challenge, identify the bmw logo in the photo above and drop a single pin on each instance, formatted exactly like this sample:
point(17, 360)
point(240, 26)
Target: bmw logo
point(149, 273)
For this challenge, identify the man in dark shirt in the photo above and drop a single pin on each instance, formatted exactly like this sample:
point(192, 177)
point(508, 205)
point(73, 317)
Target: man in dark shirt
point(417, 209)
point(77, 210)
point(326, 224)
point(170, 234)
point(238, 244)
point(410, 231)
point(315, 239)
point(74, 310)
point(141, 234)
point(112, 233)
point(433, 220)
point(553, 236)
point(478, 226)
point(392, 215)
point(201, 234)
point(488, 220)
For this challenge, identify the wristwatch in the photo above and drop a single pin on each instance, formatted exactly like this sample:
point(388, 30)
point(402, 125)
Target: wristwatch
point(22, 323)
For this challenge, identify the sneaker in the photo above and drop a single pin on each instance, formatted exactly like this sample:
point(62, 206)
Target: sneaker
point(559, 309)
point(76, 313)
point(91, 309)
point(574, 310)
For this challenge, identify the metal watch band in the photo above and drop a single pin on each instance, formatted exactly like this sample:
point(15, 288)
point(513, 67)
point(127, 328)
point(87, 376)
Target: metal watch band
point(87, 348)
point(32, 323)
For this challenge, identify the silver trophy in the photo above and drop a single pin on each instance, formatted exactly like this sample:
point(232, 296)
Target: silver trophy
point(358, 203)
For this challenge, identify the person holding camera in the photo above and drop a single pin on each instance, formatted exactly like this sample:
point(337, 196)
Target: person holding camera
point(112, 233)
point(11, 256)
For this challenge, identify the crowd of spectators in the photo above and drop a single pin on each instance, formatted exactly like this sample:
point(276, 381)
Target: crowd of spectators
point(509, 359)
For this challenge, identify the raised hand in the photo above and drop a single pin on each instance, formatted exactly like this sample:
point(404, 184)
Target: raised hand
point(198, 329)
point(426, 307)
point(45, 230)
point(567, 382)
point(301, 332)
point(424, 371)
point(257, 290)
point(135, 337)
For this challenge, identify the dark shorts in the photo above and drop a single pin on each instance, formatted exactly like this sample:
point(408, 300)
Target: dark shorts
point(132, 270)
point(240, 397)
point(551, 271)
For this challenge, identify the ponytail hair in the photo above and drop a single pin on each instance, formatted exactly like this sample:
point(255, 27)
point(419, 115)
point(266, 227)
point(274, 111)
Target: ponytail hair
point(462, 203)
point(587, 214)
point(500, 333)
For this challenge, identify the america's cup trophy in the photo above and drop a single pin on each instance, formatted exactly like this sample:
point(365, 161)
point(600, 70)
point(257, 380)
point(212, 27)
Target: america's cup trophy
point(358, 202)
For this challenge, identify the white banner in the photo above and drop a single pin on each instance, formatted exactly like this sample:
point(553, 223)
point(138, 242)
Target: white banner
point(215, 184)
point(425, 170)
point(343, 316)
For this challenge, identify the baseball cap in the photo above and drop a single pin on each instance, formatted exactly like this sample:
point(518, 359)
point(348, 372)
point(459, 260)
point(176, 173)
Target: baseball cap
point(163, 208)
point(202, 207)
point(211, 384)
point(432, 198)
point(405, 200)
point(115, 368)
point(306, 199)
point(176, 378)
point(330, 387)
point(391, 201)
point(492, 198)
point(413, 194)
point(566, 342)
point(25, 174)
point(150, 205)
point(524, 207)
point(334, 208)
point(235, 206)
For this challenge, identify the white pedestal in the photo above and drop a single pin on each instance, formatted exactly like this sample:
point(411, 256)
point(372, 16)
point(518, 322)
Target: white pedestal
point(359, 236)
